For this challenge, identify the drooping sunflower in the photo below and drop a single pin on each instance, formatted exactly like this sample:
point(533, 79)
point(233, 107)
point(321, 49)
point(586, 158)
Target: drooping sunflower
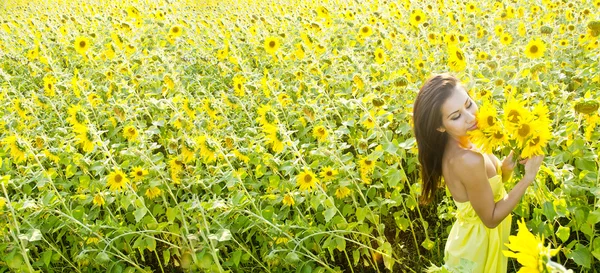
point(153, 192)
point(17, 151)
point(83, 137)
point(98, 200)
point(307, 180)
point(288, 200)
point(117, 180)
point(273, 137)
point(320, 132)
point(82, 44)
point(271, 44)
point(130, 133)
point(535, 49)
point(342, 192)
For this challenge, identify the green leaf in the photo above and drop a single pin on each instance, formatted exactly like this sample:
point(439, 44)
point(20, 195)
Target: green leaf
point(292, 257)
point(340, 243)
point(32, 235)
point(596, 248)
point(166, 256)
point(236, 256)
point(221, 236)
point(391, 147)
point(388, 261)
point(408, 144)
point(361, 213)
point(329, 213)
point(392, 176)
point(171, 214)
point(46, 256)
point(581, 255)
point(428, 244)
point(563, 233)
point(150, 243)
point(102, 257)
point(139, 214)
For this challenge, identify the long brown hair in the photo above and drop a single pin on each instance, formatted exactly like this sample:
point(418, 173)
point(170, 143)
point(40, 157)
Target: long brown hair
point(427, 118)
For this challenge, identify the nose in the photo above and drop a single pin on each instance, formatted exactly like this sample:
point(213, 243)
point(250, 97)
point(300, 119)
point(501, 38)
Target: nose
point(470, 117)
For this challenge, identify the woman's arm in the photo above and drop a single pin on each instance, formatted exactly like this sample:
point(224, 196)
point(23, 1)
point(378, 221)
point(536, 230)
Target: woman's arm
point(473, 176)
point(506, 166)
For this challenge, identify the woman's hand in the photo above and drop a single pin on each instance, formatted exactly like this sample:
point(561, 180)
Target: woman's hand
point(508, 164)
point(532, 166)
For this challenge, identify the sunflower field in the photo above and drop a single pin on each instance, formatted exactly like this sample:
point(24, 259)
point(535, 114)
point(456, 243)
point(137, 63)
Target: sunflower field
point(276, 136)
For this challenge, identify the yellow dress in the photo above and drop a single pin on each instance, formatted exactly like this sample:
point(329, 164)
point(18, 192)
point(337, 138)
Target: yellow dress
point(479, 247)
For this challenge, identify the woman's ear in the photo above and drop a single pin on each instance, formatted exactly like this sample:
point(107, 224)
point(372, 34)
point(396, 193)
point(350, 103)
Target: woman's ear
point(441, 129)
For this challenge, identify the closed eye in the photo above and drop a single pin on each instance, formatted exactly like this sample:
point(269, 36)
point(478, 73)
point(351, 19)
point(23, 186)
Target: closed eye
point(468, 106)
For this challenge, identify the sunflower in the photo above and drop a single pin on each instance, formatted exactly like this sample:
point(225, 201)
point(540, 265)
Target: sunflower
point(175, 31)
point(505, 39)
point(514, 112)
point(487, 116)
point(288, 200)
point(524, 131)
point(238, 85)
point(320, 132)
point(471, 7)
point(342, 192)
point(538, 140)
point(117, 180)
point(369, 122)
point(535, 49)
point(274, 138)
point(138, 173)
point(82, 44)
point(482, 55)
point(207, 148)
point(529, 250)
point(456, 59)
point(328, 173)
point(306, 180)
point(379, 55)
point(98, 200)
point(417, 17)
point(130, 133)
point(83, 137)
point(271, 44)
point(365, 31)
point(367, 165)
point(17, 151)
point(153, 192)
point(49, 85)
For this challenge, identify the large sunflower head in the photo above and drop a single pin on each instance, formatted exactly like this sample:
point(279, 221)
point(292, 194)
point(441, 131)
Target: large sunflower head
point(487, 116)
point(175, 31)
point(514, 112)
point(82, 44)
point(306, 180)
point(417, 17)
point(271, 44)
point(535, 49)
point(117, 180)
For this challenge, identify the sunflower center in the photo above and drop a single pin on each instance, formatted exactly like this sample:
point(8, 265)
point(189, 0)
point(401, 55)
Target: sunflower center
point(380, 55)
point(175, 29)
point(418, 18)
point(272, 44)
point(534, 141)
point(329, 173)
point(513, 116)
point(524, 130)
point(498, 135)
point(490, 121)
point(118, 178)
point(239, 86)
point(82, 44)
point(321, 131)
point(139, 173)
point(368, 162)
point(307, 178)
point(365, 29)
point(533, 49)
point(459, 55)
point(131, 131)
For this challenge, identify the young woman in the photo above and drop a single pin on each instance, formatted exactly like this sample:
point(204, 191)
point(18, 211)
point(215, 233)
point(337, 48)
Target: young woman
point(443, 114)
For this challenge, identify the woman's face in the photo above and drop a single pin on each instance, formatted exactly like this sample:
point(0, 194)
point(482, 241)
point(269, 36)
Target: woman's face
point(458, 114)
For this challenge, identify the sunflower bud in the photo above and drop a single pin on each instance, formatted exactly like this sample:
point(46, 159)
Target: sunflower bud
point(546, 30)
point(587, 107)
point(378, 102)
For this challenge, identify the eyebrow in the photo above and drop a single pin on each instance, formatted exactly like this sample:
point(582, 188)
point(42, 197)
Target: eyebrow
point(458, 110)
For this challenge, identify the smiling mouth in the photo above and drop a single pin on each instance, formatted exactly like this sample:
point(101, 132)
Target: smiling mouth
point(473, 127)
